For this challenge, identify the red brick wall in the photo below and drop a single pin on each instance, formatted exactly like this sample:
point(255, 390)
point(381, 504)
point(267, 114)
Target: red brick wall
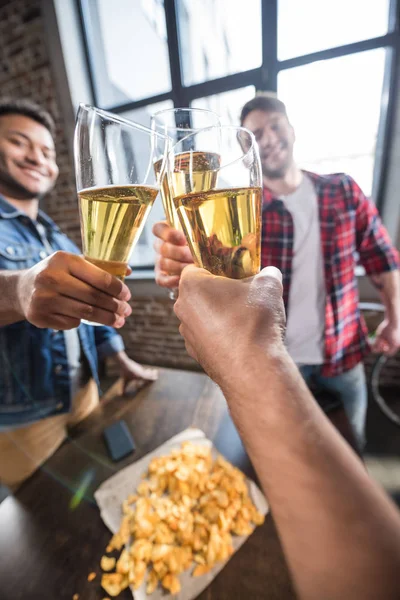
point(25, 71)
point(151, 333)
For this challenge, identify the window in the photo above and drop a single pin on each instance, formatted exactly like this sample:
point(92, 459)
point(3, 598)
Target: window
point(335, 114)
point(228, 104)
point(218, 37)
point(306, 26)
point(332, 62)
point(143, 254)
point(128, 49)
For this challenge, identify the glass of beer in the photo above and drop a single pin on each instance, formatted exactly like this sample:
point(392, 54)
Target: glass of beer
point(214, 176)
point(177, 123)
point(116, 185)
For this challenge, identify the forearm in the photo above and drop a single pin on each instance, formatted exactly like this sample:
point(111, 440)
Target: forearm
point(340, 533)
point(121, 357)
point(10, 309)
point(388, 285)
point(121, 360)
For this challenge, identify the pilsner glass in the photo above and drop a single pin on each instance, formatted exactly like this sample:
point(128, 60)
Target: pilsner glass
point(215, 179)
point(176, 123)
point(116, 185)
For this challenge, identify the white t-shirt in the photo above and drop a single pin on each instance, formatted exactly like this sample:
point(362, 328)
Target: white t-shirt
point(306, 312)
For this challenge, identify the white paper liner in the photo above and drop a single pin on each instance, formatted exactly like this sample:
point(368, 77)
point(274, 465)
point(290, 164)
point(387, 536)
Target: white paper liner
point(116, 489)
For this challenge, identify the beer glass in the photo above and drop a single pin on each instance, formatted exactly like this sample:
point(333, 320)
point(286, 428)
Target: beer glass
point(176, 123)
point(116, 184)
point(215, 179)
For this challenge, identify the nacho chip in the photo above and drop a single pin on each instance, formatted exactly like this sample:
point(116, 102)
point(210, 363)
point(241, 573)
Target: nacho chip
point(114, 583)
point(185, 511)
point(107, 563)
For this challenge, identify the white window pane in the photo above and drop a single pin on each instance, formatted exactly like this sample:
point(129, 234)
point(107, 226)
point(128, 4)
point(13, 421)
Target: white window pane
point(218, 38)
point(334, 106)
point(143, 115)
point(306, 26)
point(227, 105)
point(144, 254)
point(128, 47)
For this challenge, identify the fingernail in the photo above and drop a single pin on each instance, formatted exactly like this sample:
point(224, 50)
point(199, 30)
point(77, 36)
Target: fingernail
point(127, 310)
point(119, 322)
point(125, 293)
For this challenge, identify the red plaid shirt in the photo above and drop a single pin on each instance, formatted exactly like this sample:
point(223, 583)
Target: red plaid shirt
point(351, 232)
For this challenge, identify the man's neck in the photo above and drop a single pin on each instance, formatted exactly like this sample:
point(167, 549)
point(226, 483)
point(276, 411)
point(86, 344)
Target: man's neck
point(29, 207)
point(286, 184)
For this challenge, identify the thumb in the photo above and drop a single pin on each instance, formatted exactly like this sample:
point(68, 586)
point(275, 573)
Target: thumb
point(265, 293)
point(267, 284)
point(269, 272)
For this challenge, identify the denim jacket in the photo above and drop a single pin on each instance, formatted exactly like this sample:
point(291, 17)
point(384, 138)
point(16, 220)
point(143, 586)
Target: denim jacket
point(34, 373)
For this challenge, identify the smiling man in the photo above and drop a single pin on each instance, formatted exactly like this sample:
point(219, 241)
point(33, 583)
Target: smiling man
point(314, 228)
point(48, 359)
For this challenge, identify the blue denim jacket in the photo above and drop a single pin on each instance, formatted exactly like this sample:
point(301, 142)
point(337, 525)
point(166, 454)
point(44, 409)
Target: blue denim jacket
point(34, 374)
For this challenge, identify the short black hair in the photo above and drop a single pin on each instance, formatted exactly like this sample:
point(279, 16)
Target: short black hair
point(27, 108)
point(266, 103)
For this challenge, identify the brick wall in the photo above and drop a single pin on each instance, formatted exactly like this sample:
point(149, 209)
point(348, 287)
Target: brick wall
point(151, 332)
point(25, 71)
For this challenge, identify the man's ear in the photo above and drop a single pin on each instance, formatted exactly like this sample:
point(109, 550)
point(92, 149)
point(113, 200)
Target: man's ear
point(293, 132)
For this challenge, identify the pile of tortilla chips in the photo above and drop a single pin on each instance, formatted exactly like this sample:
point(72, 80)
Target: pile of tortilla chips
point(183, 514)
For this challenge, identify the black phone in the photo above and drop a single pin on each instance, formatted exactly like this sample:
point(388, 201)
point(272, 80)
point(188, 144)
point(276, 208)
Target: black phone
point(119, 440)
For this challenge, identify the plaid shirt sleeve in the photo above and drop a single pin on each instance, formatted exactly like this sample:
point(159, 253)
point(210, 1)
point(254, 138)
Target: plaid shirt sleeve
point(376, 251)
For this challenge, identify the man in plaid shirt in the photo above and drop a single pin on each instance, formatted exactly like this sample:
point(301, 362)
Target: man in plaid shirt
point(315, 229)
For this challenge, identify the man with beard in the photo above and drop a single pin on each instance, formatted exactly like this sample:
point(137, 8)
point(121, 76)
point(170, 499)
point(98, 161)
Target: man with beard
point(314, 229)
point(48, 359)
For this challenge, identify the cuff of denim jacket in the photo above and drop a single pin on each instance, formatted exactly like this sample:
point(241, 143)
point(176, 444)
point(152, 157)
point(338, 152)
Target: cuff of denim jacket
point(111, 346)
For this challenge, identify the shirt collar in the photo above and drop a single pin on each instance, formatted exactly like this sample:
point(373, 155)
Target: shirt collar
point(8, 211)
point(269, 198)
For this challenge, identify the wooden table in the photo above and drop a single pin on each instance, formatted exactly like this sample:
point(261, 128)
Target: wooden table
point(48, 548)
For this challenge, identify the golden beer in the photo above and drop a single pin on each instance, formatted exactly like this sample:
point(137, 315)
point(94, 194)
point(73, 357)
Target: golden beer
point(223, 229)
point(203, 176)
point(112, 219)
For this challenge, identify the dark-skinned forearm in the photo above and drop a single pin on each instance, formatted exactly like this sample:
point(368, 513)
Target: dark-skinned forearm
point(340, 533)
point(10, 309)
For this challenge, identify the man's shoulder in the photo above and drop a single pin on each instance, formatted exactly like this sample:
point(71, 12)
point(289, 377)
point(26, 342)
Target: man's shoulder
point(330, 179)
point(339, 188)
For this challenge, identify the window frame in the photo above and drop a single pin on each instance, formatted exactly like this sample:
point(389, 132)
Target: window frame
point(264, 78)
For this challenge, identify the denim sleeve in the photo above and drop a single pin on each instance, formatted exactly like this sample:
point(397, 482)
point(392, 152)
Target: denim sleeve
point(108, 341)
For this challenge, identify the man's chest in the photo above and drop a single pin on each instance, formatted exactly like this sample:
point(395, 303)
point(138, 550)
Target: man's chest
point(21, 247)
point(283, 233)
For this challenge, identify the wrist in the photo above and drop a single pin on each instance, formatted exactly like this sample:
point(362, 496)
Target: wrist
point(269, 392)
point(393, 318)
point(253, 365)
point(18, 292)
